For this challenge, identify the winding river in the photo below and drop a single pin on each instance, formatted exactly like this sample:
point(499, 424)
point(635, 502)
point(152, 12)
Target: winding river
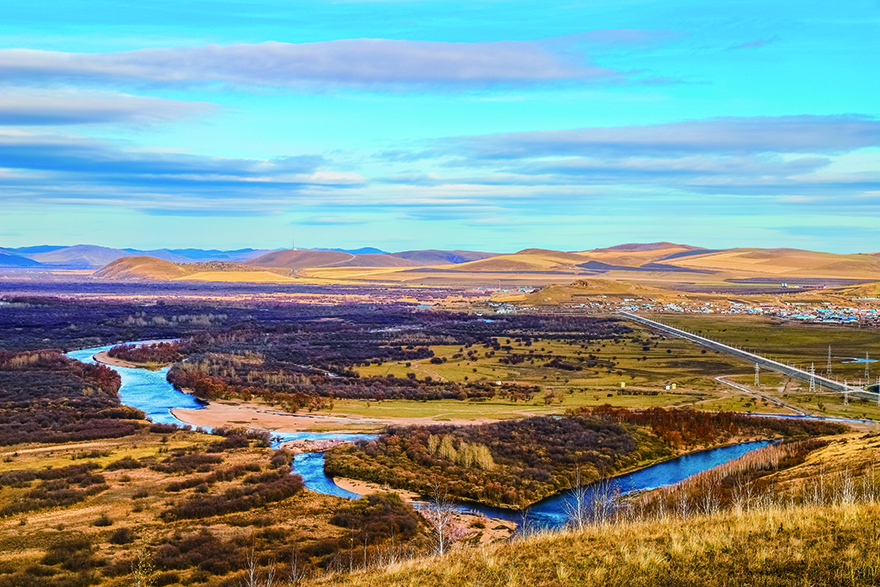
point(151, 392)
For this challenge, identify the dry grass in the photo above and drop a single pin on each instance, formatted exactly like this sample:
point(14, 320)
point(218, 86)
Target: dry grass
point(801, 545)
point(238, 277)
point(815, 523)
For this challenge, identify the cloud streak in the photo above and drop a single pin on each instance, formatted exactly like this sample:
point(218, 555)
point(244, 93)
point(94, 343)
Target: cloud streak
point(769, 156)
point(721, 136)
point(358, 63)
point(41, 108)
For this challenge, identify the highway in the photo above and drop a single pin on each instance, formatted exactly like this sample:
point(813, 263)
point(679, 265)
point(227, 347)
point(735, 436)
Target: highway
point(822, 383)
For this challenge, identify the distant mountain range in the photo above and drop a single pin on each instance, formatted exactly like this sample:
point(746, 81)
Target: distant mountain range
point(644, 262)
point(93, 257)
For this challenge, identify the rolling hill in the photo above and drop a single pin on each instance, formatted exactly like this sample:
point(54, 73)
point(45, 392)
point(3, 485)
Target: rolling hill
point(142, 268)
point(653, 265)
point(13, 260)
point(438, 257)
point(302, 258)
point(136, 268)
point(786, 263)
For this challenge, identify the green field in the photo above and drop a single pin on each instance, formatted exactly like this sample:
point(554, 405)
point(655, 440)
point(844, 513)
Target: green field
point(791, 342)
point(666, 361)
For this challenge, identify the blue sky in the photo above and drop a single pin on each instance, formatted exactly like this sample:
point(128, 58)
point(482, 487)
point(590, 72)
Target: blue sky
point(421, 124)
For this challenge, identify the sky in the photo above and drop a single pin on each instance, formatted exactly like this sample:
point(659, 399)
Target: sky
point(485, 125)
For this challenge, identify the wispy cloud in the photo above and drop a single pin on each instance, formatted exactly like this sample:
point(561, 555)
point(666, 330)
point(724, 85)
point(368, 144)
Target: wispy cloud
point(39, 107)
point(770, 156)
point(755, 44)
point(728, 136)
point(99, 171)
point(361, 63)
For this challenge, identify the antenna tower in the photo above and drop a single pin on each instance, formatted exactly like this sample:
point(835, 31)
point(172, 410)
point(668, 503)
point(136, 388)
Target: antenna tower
point(828, 369)
point(812, 378)
point(757, 375)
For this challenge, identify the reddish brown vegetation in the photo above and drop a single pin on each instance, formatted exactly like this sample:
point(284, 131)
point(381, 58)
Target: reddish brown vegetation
point(46, 397)
point(160, 352)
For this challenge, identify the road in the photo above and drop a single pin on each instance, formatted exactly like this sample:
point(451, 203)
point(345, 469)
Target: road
point(764, 362)
point(756, 394)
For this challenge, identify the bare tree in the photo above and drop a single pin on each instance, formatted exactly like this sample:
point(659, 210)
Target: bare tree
point(440, 515)
point(577, 509)
point(252, 570)
point(297, 572)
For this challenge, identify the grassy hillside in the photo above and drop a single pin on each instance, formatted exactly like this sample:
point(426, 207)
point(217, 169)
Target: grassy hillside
point(810, 520)
point(784, 547)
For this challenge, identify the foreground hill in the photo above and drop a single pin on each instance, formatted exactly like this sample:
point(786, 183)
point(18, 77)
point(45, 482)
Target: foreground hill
point(783, 516)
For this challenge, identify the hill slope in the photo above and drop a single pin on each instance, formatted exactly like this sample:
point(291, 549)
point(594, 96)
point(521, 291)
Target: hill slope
point(143, 268)
point(12, 260)
point(302, 259)
point(786, 263)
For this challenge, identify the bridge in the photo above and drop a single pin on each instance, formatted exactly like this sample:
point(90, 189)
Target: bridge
point(764, 362)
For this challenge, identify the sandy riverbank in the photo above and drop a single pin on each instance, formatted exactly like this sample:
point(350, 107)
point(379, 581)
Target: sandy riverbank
point(252, 415)
point(106, 359)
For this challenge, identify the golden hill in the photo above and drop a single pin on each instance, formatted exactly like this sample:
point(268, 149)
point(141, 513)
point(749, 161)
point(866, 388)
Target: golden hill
point(143, 268)
point(525, 260)
point(303, 259)
point(566, 294)
point(655, 265)
point(786, 263)
point(160, 270)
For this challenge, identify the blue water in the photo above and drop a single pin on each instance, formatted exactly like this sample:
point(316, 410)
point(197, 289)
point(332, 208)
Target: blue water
point(151, 392)
point(145, 390)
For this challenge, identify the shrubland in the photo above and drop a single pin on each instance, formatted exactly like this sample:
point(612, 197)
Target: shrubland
point(46, 397)
point(517, 462)
point(169, 506)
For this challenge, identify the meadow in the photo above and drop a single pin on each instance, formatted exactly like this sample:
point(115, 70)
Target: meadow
point(177, 507)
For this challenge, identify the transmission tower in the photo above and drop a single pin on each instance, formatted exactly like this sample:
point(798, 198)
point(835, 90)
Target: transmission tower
point(812, 378)
point(867, 368)
point(828, 369)
point(845, 392)
point(757, 375)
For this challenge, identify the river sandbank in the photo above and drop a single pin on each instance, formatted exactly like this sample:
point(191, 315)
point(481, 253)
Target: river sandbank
point(252, 415)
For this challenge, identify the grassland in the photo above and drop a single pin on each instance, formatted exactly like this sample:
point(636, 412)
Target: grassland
point(134, 505)
point(645, 374)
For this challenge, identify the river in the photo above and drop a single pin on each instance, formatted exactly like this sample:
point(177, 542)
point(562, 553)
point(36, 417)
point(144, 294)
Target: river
point(151, 392)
